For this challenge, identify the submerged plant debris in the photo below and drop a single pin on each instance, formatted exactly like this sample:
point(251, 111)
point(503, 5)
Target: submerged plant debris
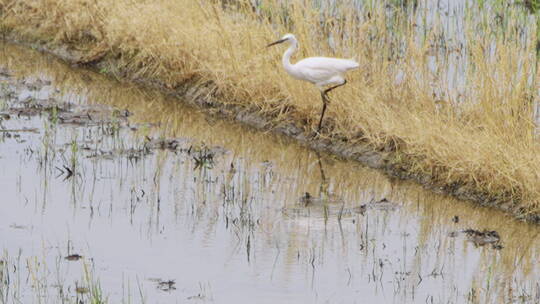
point(166, 285)
point(481, 238)
point(73, 257)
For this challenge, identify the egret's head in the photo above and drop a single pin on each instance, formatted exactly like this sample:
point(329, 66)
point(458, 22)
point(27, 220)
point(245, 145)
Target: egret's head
point(285, 38)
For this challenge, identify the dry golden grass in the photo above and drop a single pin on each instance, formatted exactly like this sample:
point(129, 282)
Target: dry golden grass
point(481, 133)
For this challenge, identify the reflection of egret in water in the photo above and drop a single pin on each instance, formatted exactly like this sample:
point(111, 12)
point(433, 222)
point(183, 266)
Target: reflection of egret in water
point(308, 199)
point(330, 203)
point(324, 183)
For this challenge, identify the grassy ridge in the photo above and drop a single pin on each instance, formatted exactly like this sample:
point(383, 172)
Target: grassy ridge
point(472, 128)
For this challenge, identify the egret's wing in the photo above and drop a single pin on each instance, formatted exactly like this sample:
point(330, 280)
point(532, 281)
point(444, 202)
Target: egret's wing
point(320, 69)
point(335, 65)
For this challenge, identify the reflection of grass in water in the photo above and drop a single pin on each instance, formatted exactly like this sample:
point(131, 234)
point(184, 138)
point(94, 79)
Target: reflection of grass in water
point(3, 101)
point(203, 157)
point(47, 284)
point(94, 287)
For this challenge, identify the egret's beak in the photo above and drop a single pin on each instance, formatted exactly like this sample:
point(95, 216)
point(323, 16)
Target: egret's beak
point(277, 42)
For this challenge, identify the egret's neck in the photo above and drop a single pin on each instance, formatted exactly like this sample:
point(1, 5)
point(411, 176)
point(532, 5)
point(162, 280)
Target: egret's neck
point(287, 56)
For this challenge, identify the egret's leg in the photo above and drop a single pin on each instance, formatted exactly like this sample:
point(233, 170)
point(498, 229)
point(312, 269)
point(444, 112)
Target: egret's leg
point(325, 102)
point(324, 96)
point(336, 86)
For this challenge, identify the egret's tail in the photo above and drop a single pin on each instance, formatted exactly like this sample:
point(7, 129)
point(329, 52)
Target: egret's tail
point(351, 64)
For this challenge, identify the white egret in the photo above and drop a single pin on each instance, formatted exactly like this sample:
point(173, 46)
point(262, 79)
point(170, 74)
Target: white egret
point(320, 71)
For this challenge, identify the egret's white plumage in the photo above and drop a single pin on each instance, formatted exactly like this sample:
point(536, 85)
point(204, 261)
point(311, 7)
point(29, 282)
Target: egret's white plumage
point(321, 71)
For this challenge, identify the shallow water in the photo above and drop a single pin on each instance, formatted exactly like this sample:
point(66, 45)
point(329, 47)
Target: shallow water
point(169, 205)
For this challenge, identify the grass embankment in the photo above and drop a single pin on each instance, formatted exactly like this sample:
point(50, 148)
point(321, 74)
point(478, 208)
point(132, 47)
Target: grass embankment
point(457, 112)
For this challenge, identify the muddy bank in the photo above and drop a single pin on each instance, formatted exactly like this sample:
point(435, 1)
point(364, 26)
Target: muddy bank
point(384, 159)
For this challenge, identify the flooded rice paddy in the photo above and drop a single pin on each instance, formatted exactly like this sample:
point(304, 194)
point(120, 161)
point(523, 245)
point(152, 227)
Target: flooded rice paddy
point(111, 193)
